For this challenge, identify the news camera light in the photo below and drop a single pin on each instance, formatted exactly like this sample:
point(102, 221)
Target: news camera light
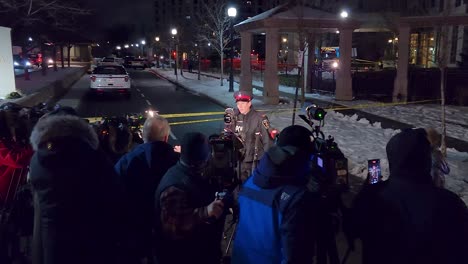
point(315, 112)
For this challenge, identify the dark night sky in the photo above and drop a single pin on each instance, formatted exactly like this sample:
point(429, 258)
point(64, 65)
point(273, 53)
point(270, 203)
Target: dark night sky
point(108, 13)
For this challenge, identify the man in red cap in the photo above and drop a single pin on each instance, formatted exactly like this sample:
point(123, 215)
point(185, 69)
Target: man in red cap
point(254, 130)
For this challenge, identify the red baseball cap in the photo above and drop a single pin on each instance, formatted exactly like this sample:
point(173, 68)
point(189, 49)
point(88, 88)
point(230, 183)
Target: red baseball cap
point(244, 96)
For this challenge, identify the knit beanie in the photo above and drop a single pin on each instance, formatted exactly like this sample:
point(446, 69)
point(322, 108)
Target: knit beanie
point(297, 136)
point(195, 149)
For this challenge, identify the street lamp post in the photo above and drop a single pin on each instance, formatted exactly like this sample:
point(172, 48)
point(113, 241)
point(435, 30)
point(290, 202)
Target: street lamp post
point(143, 42)
point(174, 34)
point(232, 12)
point(157, 51)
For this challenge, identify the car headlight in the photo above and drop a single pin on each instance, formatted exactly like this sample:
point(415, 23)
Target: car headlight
point(15, 63)
point(50, 61)
point(28, 63)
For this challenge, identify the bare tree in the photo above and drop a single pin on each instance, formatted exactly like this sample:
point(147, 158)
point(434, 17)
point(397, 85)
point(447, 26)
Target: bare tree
point(214, 26)
point(61, 14)
point(443, 54)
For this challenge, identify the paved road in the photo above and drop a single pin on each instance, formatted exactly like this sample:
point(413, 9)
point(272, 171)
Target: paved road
point(148, 91)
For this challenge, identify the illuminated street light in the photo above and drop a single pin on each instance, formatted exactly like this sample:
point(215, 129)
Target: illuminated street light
point(126, 46)
point(118, 48)
point(157, 39)
point(143, 42)
point(137, 45)
point(390, 41)
point(344, 14)
point(176, 61)
point(337, 32)
point(30, 39)
point(285, 40)
point(232, 12)
point(335, 64)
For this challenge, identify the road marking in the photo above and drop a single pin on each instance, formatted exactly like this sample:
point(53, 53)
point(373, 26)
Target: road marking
point(195, 121)
point(142, 95)
point(148, 102)
point(173, 136)
point(138, 90)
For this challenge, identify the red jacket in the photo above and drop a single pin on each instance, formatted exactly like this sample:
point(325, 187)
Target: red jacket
point(14, 162)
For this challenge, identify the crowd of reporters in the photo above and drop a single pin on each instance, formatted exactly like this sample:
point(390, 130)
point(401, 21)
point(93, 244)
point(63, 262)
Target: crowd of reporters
point(98, 198)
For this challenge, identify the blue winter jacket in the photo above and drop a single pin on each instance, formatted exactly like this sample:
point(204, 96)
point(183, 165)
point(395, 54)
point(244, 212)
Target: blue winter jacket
point(276, 212)
point(141, 171)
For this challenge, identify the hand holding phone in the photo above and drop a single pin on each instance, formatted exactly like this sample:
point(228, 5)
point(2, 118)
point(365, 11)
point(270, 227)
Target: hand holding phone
point(374, 174)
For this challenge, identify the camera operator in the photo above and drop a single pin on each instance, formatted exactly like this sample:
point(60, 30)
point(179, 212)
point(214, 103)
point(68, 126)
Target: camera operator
point(115, 137)
point(277, 212)
point(80, 212)
point(15, 155)
point(141, 171)
point(15, 151)
point(407, 219)
point(189, 223)
point(253, 129)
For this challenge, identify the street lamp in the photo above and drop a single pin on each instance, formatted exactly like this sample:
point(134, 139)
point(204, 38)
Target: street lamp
point(344, 14)
point(157, 49)
point(174, 34)
point(232, 12)
point(143, 42)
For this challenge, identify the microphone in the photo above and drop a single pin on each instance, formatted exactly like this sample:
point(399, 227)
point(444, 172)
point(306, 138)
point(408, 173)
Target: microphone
point(229, 121)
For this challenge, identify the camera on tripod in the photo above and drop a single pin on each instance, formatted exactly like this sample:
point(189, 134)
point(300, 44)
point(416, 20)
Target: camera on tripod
point(224, 160)
point(329, 165)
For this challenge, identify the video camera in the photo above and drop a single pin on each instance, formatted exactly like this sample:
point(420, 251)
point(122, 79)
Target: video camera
point(224, 160)
point(225, 154)
point(329, 165)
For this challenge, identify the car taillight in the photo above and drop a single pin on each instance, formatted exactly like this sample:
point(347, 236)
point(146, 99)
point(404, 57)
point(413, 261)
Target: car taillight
point(127, 78)
point(93, 78)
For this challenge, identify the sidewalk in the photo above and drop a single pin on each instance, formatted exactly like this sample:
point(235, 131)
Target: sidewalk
point(46, 88)
point(361, 134)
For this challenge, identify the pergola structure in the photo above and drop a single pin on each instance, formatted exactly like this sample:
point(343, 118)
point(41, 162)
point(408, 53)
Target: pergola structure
point(295, 18)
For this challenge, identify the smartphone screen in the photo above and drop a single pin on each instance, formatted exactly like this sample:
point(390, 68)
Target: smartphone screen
point(374, 171)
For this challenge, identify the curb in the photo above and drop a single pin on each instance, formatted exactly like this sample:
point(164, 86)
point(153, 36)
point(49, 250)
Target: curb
point(50, 93)
point(186, 88)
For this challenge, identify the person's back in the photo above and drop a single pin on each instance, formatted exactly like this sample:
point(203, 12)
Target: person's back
point(276, 222)
point(188, 222)
point(407, 219)
point(81, 205)
point(141, 171)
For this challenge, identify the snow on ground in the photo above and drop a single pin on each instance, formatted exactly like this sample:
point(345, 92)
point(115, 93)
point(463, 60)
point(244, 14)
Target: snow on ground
point(358, 139)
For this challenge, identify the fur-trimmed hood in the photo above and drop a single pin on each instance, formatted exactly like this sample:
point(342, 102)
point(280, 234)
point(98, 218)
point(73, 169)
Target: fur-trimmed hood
point(63, 127)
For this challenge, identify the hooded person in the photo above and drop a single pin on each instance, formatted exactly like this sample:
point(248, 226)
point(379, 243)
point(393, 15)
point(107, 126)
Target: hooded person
point(189, 220)
point(80, 213)
point(276, 221)
point(407, 219)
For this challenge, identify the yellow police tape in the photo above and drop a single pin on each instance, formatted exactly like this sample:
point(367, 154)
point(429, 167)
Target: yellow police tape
point(360, 106)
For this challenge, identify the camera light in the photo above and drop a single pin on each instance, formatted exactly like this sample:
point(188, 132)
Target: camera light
point(315, 112)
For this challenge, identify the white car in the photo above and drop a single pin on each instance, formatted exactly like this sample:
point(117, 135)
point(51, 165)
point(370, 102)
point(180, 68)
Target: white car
point(110, 78)
point(110, 61)
point(138, 63)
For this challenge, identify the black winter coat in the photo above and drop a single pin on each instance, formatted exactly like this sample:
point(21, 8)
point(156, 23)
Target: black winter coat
point(406, 219)
point(82, 206)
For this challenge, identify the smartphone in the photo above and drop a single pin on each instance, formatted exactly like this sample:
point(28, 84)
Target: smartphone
point(374, 171)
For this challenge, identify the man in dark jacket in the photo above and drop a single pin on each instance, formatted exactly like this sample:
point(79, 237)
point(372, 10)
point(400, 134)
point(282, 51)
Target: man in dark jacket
point(189, 222)
point(141, 171)
point(276, 219)
point(407, 219)
point(254, 130)
point(80, 206)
